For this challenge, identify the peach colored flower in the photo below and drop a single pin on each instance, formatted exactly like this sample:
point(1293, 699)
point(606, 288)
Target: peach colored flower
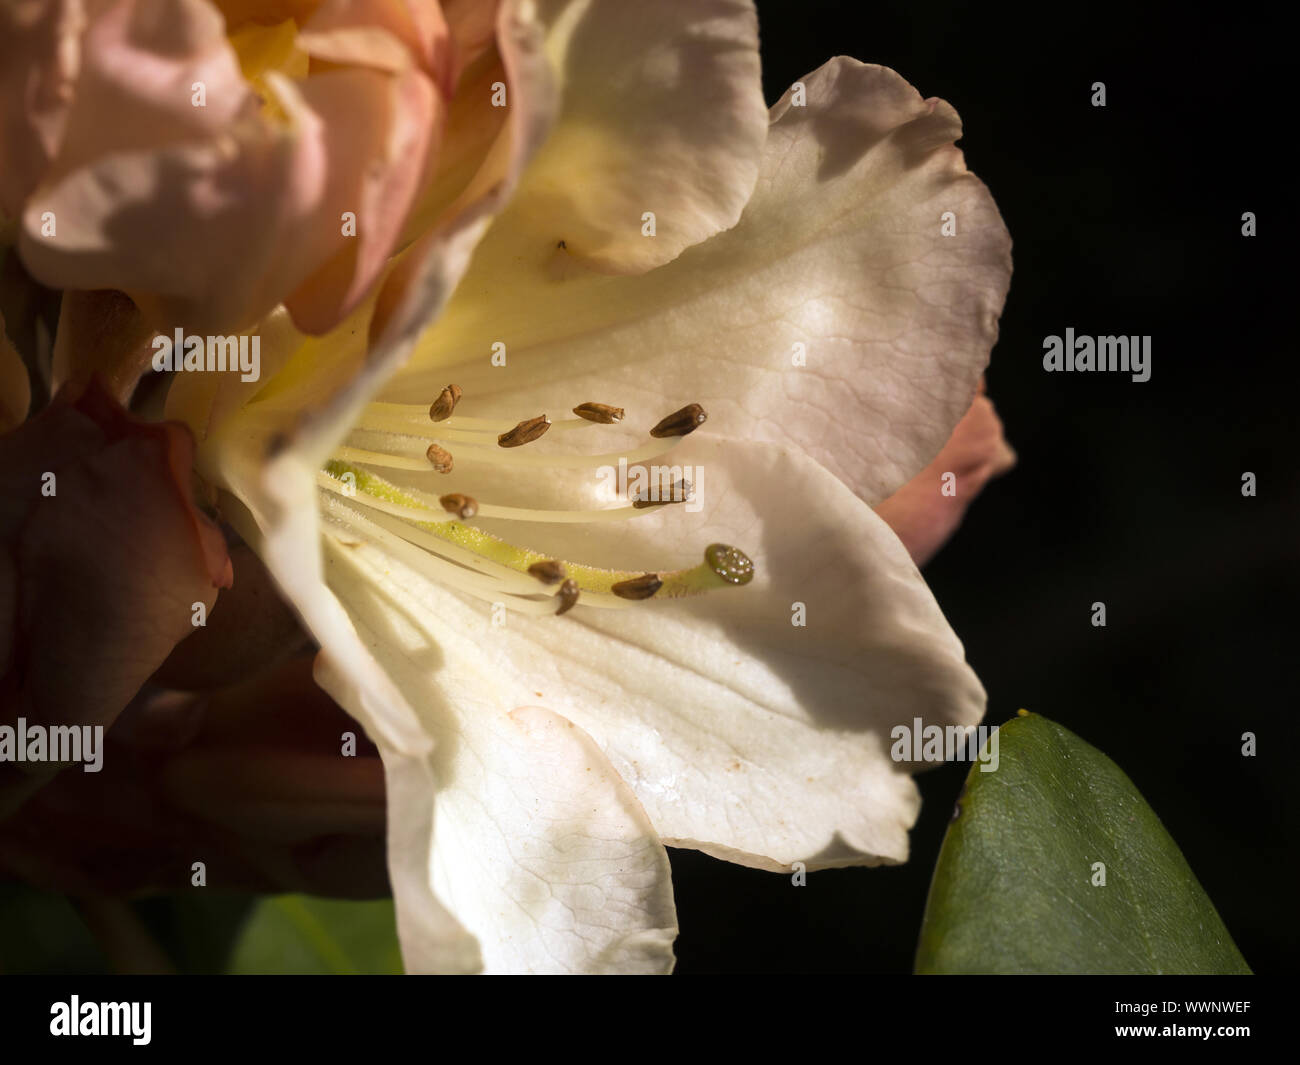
point(208, 164)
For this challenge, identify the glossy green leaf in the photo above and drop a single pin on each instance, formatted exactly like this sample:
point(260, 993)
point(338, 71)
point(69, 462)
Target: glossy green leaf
point(301, 934)
point(1017, 886)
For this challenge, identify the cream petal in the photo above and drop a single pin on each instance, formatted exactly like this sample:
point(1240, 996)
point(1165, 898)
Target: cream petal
point(415, 289)
point(205, 195)
point(366, 31)
point(839, 258)
point(473, 126)
point(262, 446)
point(141, 61)
point(211, 215)
point(521, 827)
point(662, 112)
point(100, 333)
point(473, 29)
point(240, 221)
point(377, 157)
point(40, 55)
point(741, 733)
point(312, 388)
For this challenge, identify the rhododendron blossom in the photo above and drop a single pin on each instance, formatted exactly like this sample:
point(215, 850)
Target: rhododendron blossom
point(569, 460)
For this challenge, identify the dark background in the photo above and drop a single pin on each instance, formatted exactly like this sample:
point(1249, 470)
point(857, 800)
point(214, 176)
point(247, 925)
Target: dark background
point(1126, 219)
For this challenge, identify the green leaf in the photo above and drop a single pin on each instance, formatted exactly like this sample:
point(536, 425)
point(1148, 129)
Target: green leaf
point(301, 934)
point(1013, 891)
point(43, 934)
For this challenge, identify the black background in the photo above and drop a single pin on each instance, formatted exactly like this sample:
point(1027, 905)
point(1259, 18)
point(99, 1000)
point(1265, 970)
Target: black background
point(1126, 219)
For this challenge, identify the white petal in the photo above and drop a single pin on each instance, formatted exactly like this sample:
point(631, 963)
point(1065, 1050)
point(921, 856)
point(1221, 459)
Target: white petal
point(662, 112)
point(523, 829)
point(742, 734)
point(840, 251)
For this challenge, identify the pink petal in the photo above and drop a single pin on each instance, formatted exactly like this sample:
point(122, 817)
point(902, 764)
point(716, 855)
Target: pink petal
point(922, 516)
point(99, 580)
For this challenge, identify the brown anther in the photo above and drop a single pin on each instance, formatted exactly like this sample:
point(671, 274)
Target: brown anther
point(446, 402)
point(642, 587)
point(548, 572)
point(681, 422)
point(599, 412)
point(464, 507)
point(567, 595)
point(681, 492)
point(440, 457)
point(525, 432)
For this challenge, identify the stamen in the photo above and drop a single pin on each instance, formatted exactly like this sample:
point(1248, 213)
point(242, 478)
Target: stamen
point(381, 458)
point(450, 537)
point(421, 512)
point(558, 517)
point(432, 566)
point(525, 432)
point(642, 587)
point(681, 492)
point(434, 537)
point(549, 572)
point(681, 422)
point(506, 567)
point(464, 507)
point(568, 596)
point(446, 402)
point(494, 455)
point(600, 413)
point(414, 420)
point(440, 458)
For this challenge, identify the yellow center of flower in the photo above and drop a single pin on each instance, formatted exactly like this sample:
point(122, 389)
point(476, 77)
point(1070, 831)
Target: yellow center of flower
point(415, 527)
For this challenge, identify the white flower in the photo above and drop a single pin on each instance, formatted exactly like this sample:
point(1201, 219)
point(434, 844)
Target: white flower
point(800, 288)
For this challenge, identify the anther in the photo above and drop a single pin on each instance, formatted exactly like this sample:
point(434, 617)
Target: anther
point(642, 587)
point(525, 432)
point(682, 492)
point(440, 458)
point(567, 595)
point(446, 402)
point(681, 422)
point(549, 572)
point(729, 563)
point(464, 507)
point(599, 412)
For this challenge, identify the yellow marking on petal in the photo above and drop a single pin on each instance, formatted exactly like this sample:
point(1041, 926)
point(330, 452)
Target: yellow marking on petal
point(269, 49)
